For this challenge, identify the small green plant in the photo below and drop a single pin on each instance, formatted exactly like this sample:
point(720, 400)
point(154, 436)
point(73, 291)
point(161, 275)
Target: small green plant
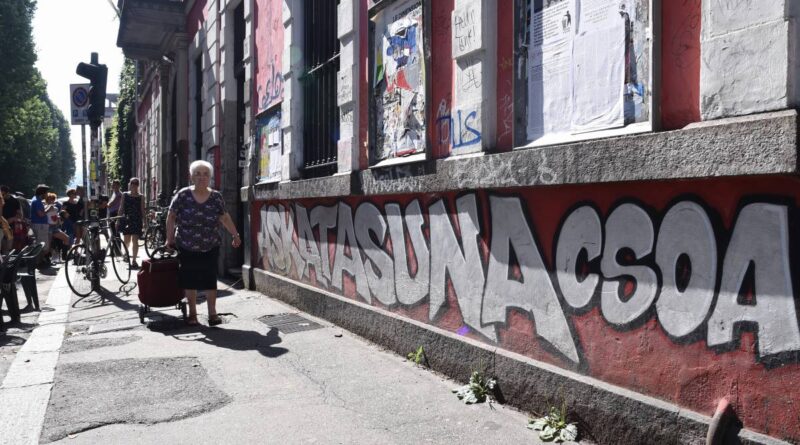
point(554, 425)
point(418, 356)
point(478, 390)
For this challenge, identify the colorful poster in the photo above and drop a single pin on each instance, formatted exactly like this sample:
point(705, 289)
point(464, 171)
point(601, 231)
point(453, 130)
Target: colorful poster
point(270, 147)
point(268, 24)
point(399, 81)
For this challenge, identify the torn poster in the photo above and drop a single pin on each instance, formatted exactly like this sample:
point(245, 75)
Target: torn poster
point(399, 81)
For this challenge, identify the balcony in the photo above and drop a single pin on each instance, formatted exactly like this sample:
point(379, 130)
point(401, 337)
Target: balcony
point(149, 28)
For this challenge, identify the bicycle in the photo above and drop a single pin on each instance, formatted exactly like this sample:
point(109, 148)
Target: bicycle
point(155, 234)
point(85, 262)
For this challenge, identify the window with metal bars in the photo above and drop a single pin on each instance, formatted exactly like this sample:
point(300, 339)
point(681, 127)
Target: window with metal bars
point(321, 112)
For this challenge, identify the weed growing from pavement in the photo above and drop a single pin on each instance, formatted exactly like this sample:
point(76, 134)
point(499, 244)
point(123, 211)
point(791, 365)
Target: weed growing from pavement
point(554, 426)
point(418, 356)
point(479, 389)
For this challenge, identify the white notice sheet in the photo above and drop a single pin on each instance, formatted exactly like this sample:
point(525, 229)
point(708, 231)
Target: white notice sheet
point(598, 67)
point(549, 70)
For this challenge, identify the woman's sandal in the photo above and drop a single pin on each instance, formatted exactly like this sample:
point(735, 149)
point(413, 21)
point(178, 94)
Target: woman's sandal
point(192, 320)
point(214, 321)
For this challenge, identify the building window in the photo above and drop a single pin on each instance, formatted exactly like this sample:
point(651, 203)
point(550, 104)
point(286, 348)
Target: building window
point(397, 80)
point(589, 69)
point(321, 112)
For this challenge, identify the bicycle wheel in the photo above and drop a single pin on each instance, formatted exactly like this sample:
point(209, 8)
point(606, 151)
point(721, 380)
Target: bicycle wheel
point(153, 239)
point(120, 260)
point(77, 267)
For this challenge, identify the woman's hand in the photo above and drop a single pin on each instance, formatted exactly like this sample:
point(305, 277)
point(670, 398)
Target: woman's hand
point(237, 241)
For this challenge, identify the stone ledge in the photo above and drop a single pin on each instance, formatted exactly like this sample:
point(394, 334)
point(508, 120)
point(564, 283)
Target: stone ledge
point(338, 185)
point(611, 414)
point(759, 144)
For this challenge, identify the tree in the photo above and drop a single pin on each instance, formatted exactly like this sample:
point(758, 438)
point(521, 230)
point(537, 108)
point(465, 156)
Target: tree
point(118, 154)
point(34, 136)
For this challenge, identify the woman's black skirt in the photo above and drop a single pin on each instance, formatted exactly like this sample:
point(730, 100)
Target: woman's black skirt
point(198, 270)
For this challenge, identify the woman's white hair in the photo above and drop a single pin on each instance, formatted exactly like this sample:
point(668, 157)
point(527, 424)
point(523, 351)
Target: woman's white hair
point(194, 166)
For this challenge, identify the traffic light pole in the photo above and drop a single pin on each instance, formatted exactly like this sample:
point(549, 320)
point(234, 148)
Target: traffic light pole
point(84, 159)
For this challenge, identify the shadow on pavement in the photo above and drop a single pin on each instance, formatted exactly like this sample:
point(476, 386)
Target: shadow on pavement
point(238, 340)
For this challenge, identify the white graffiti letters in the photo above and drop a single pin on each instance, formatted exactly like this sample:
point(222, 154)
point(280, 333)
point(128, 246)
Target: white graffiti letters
point(685, 230)
point(464, 268)
point(535, 292)
point(394, 256)
point(760, 241)
point(582, 230)
point(378, 265)
point(409, 290)
point(628, 227)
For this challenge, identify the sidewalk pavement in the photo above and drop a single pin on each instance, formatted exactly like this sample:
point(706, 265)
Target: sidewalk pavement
point(91, 373)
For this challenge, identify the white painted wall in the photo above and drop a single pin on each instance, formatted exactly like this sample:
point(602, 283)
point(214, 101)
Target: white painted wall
point(749, 54)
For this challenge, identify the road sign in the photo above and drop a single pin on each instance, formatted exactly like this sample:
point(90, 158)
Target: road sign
point(79, 103)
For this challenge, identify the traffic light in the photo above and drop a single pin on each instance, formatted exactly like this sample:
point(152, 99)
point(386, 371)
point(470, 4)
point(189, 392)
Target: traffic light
point(97, 74)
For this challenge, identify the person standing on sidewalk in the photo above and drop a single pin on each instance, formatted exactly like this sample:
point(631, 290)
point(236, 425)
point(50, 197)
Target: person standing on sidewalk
point(132, 209)
point(197, 212)
point(116, 199)
point(39, 222)
point(13, 216)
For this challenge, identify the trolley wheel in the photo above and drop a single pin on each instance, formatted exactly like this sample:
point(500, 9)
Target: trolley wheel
point(142, 311)
point(182, 306)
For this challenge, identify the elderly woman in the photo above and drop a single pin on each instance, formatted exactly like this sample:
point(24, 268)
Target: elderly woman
point(197, 212)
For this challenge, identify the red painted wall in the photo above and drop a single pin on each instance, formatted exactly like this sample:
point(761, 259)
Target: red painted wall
point(680, 68)
point(505, 76)
point(441, 72)
point(639, 355)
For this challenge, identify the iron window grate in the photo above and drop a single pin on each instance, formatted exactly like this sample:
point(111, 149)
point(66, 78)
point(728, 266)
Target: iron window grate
point(321, 111)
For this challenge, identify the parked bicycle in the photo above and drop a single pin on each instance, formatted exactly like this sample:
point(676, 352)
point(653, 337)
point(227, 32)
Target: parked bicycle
point(155, 234)
point(85, 263)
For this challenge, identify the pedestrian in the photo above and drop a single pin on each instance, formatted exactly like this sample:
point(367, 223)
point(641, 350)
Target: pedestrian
point(6, 235)
point(116, 199)
point(195, 214)
point(39, 223)
point(59, 239)
point(12, 213)
point(74, 214)
point(132, 208)
point(80, 212)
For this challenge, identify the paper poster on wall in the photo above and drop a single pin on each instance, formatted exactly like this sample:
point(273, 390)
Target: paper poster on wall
point(599, 66)
point(584, 66)
point(269, 147)
point(399, 81)
point(549, 75)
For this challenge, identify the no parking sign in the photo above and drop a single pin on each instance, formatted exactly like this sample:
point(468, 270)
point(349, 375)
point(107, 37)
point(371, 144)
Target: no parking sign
point(79, 103)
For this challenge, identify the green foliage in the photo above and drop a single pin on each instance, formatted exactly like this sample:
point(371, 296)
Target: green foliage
point(119, 141)
point(479, 389)
point(34, 136)
point(554, 426)
point(418, 356)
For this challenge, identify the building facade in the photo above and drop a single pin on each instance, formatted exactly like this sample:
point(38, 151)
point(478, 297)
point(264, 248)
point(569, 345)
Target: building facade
point(598, 198)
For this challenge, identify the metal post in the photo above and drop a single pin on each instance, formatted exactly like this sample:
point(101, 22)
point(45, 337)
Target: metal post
point(84, 158)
